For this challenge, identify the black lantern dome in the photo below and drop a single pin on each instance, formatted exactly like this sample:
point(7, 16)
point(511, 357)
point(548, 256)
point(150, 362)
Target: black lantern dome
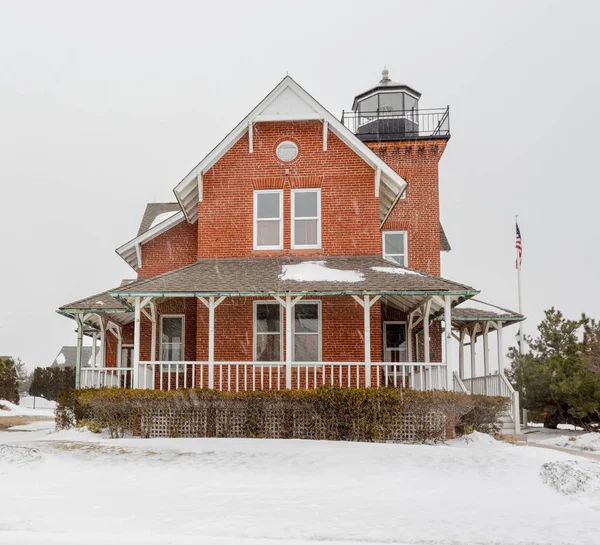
point(387, 96)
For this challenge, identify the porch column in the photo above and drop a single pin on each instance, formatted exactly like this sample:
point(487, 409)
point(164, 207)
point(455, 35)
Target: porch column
point(500, 348)
point(486, 356)
point(94, 348)
point(473, 336)
point(288, 304)
point(102, 344)
point(366, 304)
point(79, 354)
point(461, 354)
point(211, 343)
point(426, 343)
point(136, 343)
point(153, 316)
point(409, 347)
point(211, 304)
point(448, 343)
point(288, 341)
point(119, 345)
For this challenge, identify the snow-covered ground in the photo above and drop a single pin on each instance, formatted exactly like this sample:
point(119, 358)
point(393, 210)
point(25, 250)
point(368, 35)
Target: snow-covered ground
point(36, 402)
point(10, 409)
point(566, 438)
point(76, 487)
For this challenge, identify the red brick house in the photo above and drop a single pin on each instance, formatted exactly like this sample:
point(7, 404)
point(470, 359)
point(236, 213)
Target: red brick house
point(302, 251)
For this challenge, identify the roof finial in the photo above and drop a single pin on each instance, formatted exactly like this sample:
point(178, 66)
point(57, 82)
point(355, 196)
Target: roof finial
point(385, 74)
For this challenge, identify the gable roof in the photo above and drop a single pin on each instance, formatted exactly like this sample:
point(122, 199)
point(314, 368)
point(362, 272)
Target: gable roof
point(154, 212)
point(290, 102)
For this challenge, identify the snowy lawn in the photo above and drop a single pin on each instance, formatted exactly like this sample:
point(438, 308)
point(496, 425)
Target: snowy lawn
point(76, 487)
point(10, 409)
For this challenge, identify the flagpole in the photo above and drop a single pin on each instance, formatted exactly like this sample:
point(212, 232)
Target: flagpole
point(521, 339)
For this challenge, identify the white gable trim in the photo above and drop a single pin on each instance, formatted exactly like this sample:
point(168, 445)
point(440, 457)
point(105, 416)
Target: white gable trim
point(131, 251)
point(293, 97)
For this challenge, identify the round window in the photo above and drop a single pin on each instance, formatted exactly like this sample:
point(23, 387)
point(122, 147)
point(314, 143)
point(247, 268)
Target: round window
point(287, 151)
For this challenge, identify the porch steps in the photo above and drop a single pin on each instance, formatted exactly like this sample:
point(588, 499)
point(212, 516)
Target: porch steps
point(507, 425)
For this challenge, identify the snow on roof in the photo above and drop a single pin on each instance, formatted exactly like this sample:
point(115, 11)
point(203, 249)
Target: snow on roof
point(317, 271)
point(395, 270)
point(162, 217)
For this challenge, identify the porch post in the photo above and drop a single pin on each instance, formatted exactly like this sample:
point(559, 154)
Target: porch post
point(119, 346)
point(409, 338)
point(486, 356)
point(102, 344)
point(461, 354)
point(79, 354)
point(367, 339)
point(448, 343)
point(500, 348)
point(427, 356)
point(473, 336)
point(94, 348)
point(211, 342)
point(288, 341)
point(153, 347)
point(136, 343)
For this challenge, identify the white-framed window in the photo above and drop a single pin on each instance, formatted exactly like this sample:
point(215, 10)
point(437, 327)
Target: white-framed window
point(307, 331)
point(268, 341)
point(395, 247)
point(268, 219)
point(172, 332)
point(306, 218)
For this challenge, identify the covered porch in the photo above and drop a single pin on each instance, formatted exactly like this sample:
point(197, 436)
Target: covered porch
point(298, 315)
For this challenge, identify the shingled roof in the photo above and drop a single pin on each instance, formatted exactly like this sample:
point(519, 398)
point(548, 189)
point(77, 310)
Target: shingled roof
point(352, 275)
point(475, 312)
point(101, 302)
point(155, 209)
point(444, 242)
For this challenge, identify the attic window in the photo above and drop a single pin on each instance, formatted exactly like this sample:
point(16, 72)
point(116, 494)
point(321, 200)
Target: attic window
point(287, 151)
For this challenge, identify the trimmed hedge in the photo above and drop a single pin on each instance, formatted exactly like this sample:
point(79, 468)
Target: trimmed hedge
point(333, 413)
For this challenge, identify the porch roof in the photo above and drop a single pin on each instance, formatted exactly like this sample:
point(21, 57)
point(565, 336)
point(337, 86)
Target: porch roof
point(476, 312)
point(355, 275)
point(97, 308)
point(101, 302)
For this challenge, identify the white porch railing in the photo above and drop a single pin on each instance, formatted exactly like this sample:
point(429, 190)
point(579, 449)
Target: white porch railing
point(236, 376)
point(111, 377)
point(496, 385)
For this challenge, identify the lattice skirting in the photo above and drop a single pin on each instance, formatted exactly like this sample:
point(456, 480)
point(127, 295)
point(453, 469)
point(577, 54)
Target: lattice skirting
point(281, 423)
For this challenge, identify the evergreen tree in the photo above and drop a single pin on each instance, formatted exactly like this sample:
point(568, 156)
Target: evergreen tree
point(9, 387)
point(48, 382)
point(555, 378)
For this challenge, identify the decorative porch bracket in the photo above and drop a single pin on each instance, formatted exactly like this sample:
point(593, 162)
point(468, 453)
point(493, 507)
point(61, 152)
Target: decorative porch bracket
point(288, 304)
point(366, 303)
point(211, 304)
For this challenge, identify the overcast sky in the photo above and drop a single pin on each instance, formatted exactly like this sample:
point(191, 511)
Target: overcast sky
point(106, 108)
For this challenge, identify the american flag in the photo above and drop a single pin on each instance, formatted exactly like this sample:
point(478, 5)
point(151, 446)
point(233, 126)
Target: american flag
point(519, 245)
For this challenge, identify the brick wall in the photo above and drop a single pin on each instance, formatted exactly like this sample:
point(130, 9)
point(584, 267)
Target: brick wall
point(419, 214)
point(349, 208)
point(172, 249)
